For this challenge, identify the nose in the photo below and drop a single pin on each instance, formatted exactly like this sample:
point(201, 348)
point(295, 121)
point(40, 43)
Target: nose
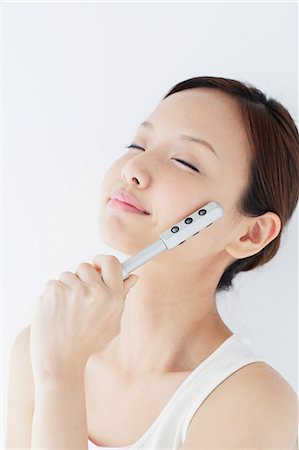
point(130, 178)
point(133, 174)
point(139, 170)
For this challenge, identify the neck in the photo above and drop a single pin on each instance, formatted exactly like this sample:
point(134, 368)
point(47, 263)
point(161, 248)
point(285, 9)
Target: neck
point(168, 324)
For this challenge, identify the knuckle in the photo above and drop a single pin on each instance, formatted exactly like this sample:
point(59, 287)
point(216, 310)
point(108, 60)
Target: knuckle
point(66, 273)
point(98, 257)
point(64, 276)
point(84, 265)
point(102, 257)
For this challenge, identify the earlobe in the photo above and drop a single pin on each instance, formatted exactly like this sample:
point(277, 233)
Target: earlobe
point(260, 232)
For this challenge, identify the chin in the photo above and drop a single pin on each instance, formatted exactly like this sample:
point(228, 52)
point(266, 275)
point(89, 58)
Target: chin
point(121, 242)
point(115, 232)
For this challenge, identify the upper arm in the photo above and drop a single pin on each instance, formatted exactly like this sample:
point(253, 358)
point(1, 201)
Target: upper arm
point(20, 394)
point(254, 408)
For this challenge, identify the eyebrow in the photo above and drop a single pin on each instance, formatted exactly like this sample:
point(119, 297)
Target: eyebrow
point(185, 137)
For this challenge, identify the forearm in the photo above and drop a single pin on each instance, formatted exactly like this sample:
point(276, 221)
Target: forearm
point(59, 419)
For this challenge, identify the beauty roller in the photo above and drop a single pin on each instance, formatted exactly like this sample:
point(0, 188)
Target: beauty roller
point(175, 235)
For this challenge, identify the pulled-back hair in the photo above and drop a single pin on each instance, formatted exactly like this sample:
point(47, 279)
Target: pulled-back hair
point(273, 182)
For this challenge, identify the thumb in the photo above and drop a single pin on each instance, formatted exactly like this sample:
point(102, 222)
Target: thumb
point(130, 282)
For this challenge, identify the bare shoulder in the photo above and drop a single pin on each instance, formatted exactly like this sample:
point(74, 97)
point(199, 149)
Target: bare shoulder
point(20, 364)
point(21, 348)
point(20, 402)
point(23, 338)
point(259, 376)
point(255, 407)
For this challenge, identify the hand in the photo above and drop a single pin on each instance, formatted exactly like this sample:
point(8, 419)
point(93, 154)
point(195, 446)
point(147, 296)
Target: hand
point(77, 316)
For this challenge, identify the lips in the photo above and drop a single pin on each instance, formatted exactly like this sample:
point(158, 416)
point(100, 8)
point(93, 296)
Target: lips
point(125, 197)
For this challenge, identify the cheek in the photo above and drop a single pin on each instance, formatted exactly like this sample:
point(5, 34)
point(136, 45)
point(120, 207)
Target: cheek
point(183, 199)
point(172, 204)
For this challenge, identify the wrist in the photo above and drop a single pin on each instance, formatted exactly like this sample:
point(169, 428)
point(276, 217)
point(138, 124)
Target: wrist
point(70, 375)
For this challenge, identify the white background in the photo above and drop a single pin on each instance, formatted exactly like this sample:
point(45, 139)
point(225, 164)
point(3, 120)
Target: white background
point(77, 79)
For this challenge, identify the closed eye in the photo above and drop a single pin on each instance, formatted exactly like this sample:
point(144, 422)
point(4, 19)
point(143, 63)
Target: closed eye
point(176, 159)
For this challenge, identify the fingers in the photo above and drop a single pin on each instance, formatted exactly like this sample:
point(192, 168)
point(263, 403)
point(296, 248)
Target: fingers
point(85, 273)
point(111, 273)
point(68, 278)
point(105, 269)
point(52, 286)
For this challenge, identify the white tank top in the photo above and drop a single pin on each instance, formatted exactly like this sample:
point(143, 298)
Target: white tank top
point(170, 427)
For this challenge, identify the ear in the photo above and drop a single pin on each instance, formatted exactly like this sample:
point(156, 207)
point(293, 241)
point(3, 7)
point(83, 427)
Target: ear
point(260, 231)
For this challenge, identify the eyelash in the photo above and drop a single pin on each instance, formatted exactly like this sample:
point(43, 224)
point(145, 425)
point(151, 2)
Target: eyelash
point(179, 160)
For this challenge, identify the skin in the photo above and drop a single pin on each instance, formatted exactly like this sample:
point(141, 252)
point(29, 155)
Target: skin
point(168, 321)
point(174, 300)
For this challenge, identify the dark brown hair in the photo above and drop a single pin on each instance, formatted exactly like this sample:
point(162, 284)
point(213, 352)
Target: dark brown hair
point(273, 182)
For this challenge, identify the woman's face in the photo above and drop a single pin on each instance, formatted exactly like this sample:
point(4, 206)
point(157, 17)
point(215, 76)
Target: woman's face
point(169, 189)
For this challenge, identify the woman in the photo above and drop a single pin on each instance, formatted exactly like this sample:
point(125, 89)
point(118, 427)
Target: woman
point(152, 364)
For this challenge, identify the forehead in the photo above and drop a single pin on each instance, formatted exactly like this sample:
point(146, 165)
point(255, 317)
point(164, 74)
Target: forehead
point(197, 108)
point(208, 114)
